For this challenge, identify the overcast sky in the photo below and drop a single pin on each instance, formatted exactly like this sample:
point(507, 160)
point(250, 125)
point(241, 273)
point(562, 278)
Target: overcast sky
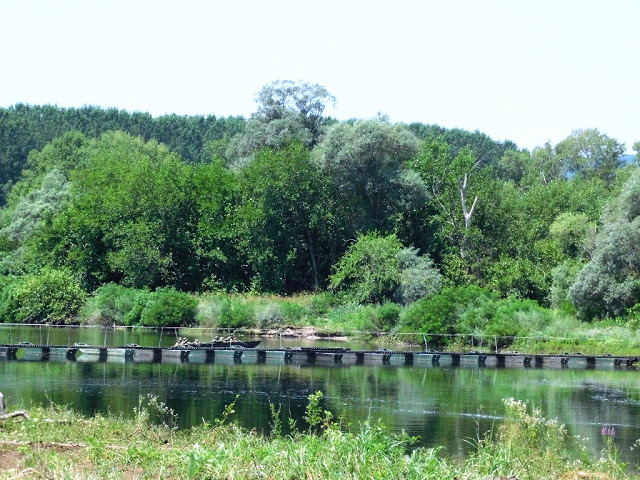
point(529, 71)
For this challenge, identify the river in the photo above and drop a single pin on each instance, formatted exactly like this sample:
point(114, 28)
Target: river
point(443, 406)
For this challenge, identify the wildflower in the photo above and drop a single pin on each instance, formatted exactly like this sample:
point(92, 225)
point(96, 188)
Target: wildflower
point(608, 432)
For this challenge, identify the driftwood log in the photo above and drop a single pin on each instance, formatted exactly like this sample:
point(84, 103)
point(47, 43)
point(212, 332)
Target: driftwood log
point(17, 413)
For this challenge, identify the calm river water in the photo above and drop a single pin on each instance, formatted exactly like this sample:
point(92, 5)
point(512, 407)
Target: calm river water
point(447, 407)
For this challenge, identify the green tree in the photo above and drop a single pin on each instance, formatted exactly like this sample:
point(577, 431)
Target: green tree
point(451, 184)
point(591, 153)
point(281, 220)
point(287, 112)
point(610, 282)
point(307, 101)
point(367, 163)
point(50, 296)
point(129, 218)
point(376, 269)
point(216, 194)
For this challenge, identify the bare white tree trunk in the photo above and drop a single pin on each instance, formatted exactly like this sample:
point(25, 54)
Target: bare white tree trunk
point(468, 213)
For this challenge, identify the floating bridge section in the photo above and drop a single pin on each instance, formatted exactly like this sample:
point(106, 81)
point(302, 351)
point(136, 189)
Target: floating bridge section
point(307, 356)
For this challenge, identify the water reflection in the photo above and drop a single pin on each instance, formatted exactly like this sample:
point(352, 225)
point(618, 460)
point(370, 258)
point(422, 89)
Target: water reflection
point(443, 406)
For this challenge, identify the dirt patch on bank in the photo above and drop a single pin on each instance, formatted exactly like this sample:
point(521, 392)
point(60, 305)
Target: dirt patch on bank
point(10, 458)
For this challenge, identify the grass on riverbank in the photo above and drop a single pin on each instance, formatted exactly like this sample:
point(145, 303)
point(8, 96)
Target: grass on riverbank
point(57, 443)
point(461, 319)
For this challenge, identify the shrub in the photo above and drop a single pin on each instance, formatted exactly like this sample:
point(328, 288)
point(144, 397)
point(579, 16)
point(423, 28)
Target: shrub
point(110, 304)
point(269, 316)
point(236, 313)
point(562, 277)
point(133, 317)
point(167, 307)
point(376, 269)
point(418, 278)
point(386, 317)
point(322, 303)
point(292, 312)
point(208, 310)
point(351, 316)
point(516, 317)
point(369, 270)
point(51, 296)
point(440, 313)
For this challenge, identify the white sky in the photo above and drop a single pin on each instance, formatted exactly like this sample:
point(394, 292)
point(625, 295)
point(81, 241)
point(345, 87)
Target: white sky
point(529, 71)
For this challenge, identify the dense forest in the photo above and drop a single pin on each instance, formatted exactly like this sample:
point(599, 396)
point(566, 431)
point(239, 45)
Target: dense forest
point(290, 201)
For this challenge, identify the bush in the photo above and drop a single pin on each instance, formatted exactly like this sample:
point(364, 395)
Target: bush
point(386, 317)
point(377, 269)
point(322, 303)
point(369, 271)
point(440, 313)
point(419, 278)
point(110, 304)
point(562, 277)
point(269, 316)
point(292, 312)
point(51, 296)
point(167, 307)
point(351, 316)
point(516, 317)
point(236, 313)
point(133, 317)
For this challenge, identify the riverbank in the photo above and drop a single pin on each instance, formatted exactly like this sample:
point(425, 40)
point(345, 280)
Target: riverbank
point(57, 443)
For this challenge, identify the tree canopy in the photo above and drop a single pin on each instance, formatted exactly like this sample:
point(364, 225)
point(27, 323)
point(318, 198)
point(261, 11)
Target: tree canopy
point(290, 200)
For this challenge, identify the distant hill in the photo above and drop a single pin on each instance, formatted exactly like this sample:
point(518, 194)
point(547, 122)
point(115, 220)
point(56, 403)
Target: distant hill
point(626, 159)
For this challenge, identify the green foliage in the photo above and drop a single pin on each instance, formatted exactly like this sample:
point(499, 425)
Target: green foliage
point(369, 271)
point(440, 313)
point(111, 303)
point(591, 153)
point(419, 278)
point(25, 128)
point(521, 277)
point(269, 316)
point(236, 313)
point(51, 296)
point(562, 277)
point(610, 282)
point(167, 307)
point(128, 219)
point(507, 317)
point(376, 269)
point(280, 220)
point(293, 312)
point(524, 445)
point(472, 310)
point(288, 112)
point(385, 317)
point(367, 163)
point(323, 302)
point(574, 232)
point(119, 207)
point(351, 316)
point(133, 316)
point(36, 206)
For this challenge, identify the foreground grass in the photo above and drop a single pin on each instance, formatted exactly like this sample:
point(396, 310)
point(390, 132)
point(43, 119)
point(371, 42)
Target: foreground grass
point(57, 443)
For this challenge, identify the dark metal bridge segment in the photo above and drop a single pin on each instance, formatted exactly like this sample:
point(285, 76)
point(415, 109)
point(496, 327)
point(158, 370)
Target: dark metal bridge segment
point(313, 356)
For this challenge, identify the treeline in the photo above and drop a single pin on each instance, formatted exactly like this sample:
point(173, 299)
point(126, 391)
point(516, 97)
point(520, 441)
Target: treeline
point(290, 200)
point(24, 128)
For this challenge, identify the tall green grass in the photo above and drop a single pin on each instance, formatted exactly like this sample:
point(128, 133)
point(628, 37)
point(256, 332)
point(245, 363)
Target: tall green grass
point(57, 443)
